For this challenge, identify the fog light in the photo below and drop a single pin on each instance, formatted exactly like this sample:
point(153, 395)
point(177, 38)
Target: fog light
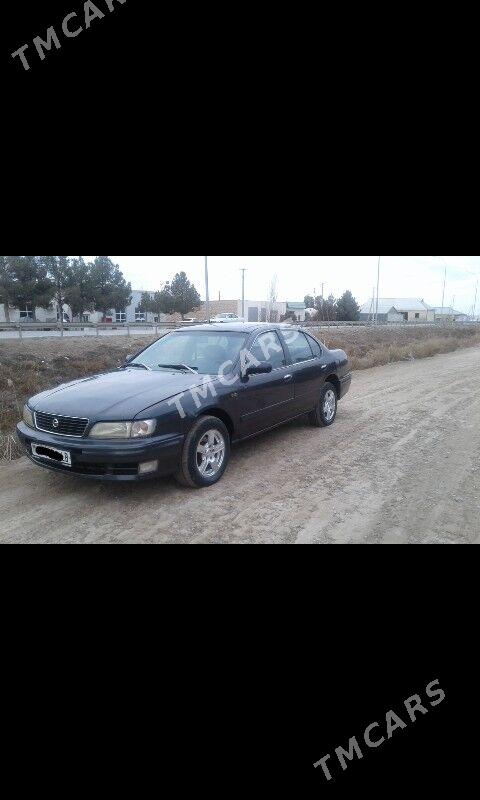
point(147, 466)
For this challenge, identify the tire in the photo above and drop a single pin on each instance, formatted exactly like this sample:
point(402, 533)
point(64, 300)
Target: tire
point(198, 470)
point(325, 412)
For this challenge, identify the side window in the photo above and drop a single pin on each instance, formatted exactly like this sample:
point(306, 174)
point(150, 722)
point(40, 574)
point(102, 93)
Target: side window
point(317, 350)
point(299, 347)
point(267, 349)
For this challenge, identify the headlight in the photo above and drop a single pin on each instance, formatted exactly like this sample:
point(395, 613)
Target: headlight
point(28, 417)
point(145, 427)
point(123, 430)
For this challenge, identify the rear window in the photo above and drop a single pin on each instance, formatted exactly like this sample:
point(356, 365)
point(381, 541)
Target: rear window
point(299, 347)
point(317, 350)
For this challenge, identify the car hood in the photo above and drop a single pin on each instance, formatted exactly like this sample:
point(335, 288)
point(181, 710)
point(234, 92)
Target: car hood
point(120, 395)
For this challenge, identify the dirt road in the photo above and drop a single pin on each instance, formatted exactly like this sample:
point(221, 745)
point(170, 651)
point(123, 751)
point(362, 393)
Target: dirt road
point(401, 464)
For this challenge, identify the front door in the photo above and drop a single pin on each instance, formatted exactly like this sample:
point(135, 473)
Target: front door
point(267, 400)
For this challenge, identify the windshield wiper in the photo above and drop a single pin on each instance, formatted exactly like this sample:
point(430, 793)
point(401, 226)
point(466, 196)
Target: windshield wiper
point(179, 366)
point(139, 365)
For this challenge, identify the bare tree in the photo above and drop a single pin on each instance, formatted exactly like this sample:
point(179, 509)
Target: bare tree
point(272, 312)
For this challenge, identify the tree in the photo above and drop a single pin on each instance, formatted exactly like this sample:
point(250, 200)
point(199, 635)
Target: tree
point(309, 301)
point(183, 294)
point(110, 289)
point(327, 310)
point(7, 284)
point(146, 302)
point(32, 284)
point(348, 309)
point(80, 294)
point(161, 302)
point(59, 271)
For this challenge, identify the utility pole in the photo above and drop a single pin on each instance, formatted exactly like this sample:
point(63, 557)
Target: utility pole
point(444, 289)
point(207, 296)
point(378, 290)
point(475, 303)
point(243, 271)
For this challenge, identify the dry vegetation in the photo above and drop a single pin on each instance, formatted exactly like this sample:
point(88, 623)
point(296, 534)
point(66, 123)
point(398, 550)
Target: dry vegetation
point(374, 347)
point(33, 365)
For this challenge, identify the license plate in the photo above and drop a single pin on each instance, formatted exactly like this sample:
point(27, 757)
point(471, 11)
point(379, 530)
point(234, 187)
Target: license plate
point(52, 454)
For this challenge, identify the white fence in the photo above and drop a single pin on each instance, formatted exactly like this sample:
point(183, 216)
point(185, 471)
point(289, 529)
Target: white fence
point(39, 329)
point(10, 330)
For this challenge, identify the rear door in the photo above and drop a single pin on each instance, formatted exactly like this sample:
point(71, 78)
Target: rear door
point(307, 368)
point(267, 400)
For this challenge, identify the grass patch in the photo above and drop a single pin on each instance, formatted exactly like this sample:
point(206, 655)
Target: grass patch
point(367, 347)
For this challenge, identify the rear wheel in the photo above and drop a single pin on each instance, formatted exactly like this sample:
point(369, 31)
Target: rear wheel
point(206, 454)
point(325, 411)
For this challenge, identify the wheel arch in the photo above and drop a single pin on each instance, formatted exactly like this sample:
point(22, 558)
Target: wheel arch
point(222, 415)
point(335, 381)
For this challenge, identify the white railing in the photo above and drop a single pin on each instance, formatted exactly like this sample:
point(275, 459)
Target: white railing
point(90, 329)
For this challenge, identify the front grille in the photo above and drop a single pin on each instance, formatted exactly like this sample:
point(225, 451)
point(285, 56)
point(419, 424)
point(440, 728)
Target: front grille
point(65, 426)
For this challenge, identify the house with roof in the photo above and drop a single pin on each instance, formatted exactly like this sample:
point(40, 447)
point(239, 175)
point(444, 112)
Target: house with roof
point(448, 314)
point(299, 309)
point(397, 309)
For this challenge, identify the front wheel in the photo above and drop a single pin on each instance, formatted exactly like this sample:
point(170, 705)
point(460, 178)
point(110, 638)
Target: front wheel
point(325, 411)
point(206, 454)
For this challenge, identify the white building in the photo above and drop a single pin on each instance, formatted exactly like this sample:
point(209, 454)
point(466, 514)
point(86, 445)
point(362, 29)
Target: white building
point(397, 309)
point(28, 314)
point(132, 313)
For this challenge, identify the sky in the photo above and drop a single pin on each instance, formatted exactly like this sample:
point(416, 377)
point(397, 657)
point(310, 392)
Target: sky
point(401, 276)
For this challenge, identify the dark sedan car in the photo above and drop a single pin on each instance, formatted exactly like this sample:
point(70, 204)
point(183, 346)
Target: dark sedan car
point(177, 406)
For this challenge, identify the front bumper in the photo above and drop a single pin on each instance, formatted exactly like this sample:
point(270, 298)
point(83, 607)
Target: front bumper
point(106, 461)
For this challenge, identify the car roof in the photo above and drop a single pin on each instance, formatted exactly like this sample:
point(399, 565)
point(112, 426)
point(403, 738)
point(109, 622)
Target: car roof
point(241, 327)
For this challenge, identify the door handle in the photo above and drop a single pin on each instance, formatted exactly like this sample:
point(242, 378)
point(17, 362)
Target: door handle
point(288, 377)
point(324, 366)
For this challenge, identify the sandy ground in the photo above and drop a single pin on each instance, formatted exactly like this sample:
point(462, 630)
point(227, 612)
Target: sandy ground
point(401, 465)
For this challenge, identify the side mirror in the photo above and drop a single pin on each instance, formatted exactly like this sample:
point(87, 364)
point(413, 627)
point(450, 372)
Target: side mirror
point(262, 369)
point(128, 359)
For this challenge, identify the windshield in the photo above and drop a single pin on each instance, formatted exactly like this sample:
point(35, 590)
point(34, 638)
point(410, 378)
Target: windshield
point(203, 352)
